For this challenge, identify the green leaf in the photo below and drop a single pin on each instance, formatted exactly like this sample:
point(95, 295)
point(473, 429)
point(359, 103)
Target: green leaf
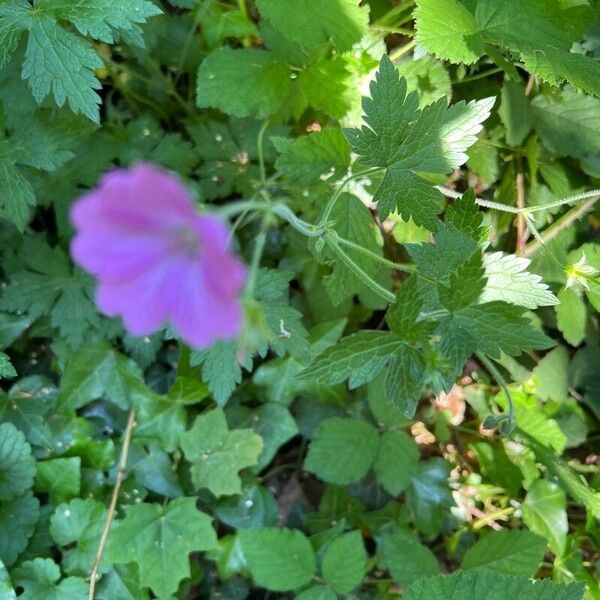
point(540, 34)
point(7, 371)
point(402, 316)
point(159, 539)
point(428, 495)
point(59, 62)
point(354, 444)
point(344, 562)
point(18, 519)
point(515, 112)
point(428, 77)
point(508, 280)
point(578, 112)
point(470, 586)
point(319, 592)
point(550, 375)
point(278, 559)
point(7, 591)
point(220, 369)
point(243, 83)
point(465, 284)
point(358, 358)
point(571, 316)
point(102, 19)
point(544, 512)
point(17, 465)
point(312, 158)
point(464, 215)
point(405, 556)
point(217, 454)
point(404, 379)
point(17, 194)
point(60, 478)
point(353, 221)
point(76, 527)
point(305, 21)
point(407, 141)
point(508, 552)
point(396, 461)
point(94, 372)
point(39, 578)
point(453, 37)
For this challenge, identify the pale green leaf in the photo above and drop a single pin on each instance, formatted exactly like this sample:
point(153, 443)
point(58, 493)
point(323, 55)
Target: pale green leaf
point(571, 316)
point(396, 461)
point(278, 559)
point(344, 562)
point(39, 578)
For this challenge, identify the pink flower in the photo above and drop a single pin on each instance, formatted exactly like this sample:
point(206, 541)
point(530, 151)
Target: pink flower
point(156, 258)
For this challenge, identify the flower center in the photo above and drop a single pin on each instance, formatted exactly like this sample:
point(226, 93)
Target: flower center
point(186, 241)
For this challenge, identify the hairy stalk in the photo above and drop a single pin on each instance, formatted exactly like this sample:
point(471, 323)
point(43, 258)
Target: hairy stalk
point(495, 373)
point(121, 472)
point(261, 153)
point(540, 241)
point(406, 267)
point(335, 249)
point(520, 189)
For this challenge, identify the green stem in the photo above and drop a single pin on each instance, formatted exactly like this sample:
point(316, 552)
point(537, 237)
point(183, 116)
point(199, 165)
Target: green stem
point(235, 208)
point(307, 229)
point(539, 240)
point(334, 247)
point(489, 365)
point(479, 75)
point(184, 368)
point(260, 151)
point(400, 52)
point(331, 202)
point(259, 245)
point(408, 268)
point(593, 196)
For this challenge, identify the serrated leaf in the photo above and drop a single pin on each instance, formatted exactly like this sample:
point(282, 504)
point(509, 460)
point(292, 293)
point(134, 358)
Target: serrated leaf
point(220, 369)
point(357, 358)
point(159, 539)
point(396, 461)
point(39, 578)
point(508, 552)
point(404, 379)
point(580, 112)
point(243, 83)
point(341, 25)
point(405, 556)
point(18, 519)
point(102, 19)
point(407, 141)
point(464, 215)
point(509, 281)
point(515, 112)
point(17, 465)
point(268, 552)
point(465, 284)
point(59, 62)
point(17, 194)
point(344, 562)
point(311, 158)
point(76, 527)
point(217, 454)
point(471, 586)
point(427, 76)
point(354, 444)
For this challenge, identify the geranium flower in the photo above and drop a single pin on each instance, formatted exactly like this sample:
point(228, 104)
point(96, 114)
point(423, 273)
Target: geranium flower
point(156, 259)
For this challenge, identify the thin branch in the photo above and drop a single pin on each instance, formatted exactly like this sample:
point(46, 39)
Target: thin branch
point(121, 472)
point(553, 231)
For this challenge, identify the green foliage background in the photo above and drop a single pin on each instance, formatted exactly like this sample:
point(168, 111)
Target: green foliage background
point(413, 183)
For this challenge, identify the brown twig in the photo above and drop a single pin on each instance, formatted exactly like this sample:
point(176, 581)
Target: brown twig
point(121, 472)
point(520, 185)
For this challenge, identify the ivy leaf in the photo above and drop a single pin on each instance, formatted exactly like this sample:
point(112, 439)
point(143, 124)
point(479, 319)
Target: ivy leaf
point(268, 551)
point(354, 443)
point(408, 141)
point(159, 539)
point(405, 556)
point(341, 25)
point(17, 465)
point(18, 519)
point(77, 526)
point(243, 83)
point(217, 454)
point(315, 157)
point(508, 552)
point(468, 586)
point(39, 578)
point(344, 562)
point(508, 280)
point(540, 34)
point(105, 20)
